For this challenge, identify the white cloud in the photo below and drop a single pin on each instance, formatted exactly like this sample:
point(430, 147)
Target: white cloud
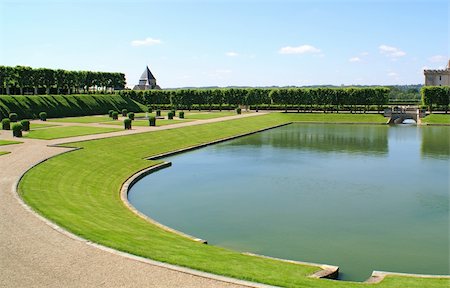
point(146, 42)
point(232, 54)
point(299, 49)
point(355, 59)
point(437, 58)
point(390, 51)
point(392, 74)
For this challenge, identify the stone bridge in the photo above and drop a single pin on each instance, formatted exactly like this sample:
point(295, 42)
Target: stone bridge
point(398, 114)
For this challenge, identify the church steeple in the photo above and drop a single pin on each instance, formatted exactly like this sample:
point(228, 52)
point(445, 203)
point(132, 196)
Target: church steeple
point(147, 81)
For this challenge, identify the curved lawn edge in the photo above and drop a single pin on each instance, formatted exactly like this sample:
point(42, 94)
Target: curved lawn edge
point(255, 269)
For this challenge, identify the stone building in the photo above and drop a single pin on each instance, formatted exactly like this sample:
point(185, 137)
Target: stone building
point(439, 77)
point(147, 81)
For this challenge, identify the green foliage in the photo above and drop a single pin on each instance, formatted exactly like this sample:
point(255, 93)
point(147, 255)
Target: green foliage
point(328, 99)
point(238, 111)
point(6, 124)
point(181, 115)
point(44, 80)
point(127, 124)
point(170, 115)
point(131, 115)
point(13, 117)
point(158, 113)
point(436, 97)
point(43, 116)
point(115, 115)
point(25, 125)
point(110, 113)
point(124, 112)
point(17, 129)
point(28, 107)
point(152, 121)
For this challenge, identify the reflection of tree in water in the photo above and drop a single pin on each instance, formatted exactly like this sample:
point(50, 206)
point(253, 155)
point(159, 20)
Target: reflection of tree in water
point(324, 138)
point(435, 142)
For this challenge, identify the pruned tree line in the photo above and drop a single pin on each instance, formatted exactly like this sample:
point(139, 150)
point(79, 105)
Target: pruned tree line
point(26, 80)
point(436, 97)
point(300, 99)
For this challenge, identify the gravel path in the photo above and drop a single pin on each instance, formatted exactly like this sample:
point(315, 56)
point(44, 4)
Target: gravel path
point(33, 254)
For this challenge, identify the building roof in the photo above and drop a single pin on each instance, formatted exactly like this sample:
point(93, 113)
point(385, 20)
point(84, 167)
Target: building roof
point(147, 75)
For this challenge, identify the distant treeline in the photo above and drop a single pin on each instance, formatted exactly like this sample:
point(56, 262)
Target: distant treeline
point(328, 99)
point(26, 80)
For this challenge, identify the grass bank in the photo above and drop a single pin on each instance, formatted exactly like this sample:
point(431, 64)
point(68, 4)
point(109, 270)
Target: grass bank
point(437, 119)
point(8, 142)
point(85, 200)
point(4, 153)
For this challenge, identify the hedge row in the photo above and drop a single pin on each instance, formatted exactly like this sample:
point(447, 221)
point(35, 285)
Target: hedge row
point(323, 97)
point(436, 97)
point(29, 107)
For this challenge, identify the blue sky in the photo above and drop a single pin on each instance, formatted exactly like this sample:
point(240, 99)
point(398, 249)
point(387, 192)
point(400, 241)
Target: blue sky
point(222, 43)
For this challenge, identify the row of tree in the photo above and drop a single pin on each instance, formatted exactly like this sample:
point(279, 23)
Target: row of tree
point(324, 98)
point(436, 96)
point(27, 80)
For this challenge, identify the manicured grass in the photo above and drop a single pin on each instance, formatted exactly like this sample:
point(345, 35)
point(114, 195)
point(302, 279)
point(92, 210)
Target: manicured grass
point(4, 153)
point(85, 200)
point(337, 117)
point(437, 119)
point(159, 122)
point(208, 115)
point(34, 126)
point(67, 131)
point(84, 119)
point(8, 142)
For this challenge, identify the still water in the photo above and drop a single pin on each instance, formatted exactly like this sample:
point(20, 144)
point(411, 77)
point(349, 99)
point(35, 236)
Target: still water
point(361, 197)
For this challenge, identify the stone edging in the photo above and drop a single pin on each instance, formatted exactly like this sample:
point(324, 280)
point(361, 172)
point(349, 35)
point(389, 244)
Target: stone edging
point(378, 276)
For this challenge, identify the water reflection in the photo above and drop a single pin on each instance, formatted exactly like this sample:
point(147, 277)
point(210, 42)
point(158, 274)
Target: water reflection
point(435, 142)
point(324, 138)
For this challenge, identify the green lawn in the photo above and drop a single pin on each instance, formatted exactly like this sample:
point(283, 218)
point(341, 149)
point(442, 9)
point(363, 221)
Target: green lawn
point(83, 119)
point(437, 119)
point(34, 126)
point(85, 200)
point(8, 142)
point(208, 115)
point(67, 131)
point(4, 153)
point(159, 122)
point(337, 117)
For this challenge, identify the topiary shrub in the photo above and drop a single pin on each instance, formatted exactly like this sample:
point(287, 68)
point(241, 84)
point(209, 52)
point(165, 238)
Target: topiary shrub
point(170, 115)
point(43, 116)
point(152, 121)
point(173, 112)
point(110, 113)
point(6, 124)
point(150, 110)
point(25, 125)
point(238, 110)
point(124, 112)
point(181, 115)
point(158, 113)
point(131, 115)
point(127, 124)
point(17, 130)
point(13, 117)
point(115, 115)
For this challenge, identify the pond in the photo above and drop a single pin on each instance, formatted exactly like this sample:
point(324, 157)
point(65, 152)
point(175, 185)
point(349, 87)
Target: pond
point(360, 197)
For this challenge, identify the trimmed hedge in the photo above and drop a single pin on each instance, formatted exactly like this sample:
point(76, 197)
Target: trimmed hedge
point(181, 115)
point(131, 115)
point(436, 97)
point(6, 124)
point(43, 116)
point(170, 115)
point(127, 124)
point(238, 110)
point(17, 129)
point(110, 112)
point(28, 107)
point(152, 121)
point(13, 117)
point(124, 112)
point(158, 113)
point(115, 115)
point(25, 125)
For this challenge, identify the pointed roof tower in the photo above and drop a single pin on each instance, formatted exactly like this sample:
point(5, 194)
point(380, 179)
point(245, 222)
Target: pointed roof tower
point(147, 77)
